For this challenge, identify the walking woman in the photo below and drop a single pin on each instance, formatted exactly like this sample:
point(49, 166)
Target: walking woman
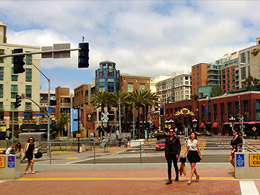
point(172, 153)
point(194, 155)
point(235, 143)
point(28, 153)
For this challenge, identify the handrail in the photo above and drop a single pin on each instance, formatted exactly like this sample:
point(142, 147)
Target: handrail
point(249, 147)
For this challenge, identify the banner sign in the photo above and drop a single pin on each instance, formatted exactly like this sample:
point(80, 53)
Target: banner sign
point(74, 119)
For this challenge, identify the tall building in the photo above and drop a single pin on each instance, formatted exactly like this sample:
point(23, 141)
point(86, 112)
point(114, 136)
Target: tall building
point(107, 77)
point(64, 101)
point(213, 74)
point(27, 83)
point(199, 77)
point(249, 63)
point(182, 87)
point(176, 88)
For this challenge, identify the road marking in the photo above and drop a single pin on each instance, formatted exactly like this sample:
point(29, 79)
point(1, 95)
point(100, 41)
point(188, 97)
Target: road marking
point(1, 181)
point(124, 178)
point(248, 188)
point(72, 158)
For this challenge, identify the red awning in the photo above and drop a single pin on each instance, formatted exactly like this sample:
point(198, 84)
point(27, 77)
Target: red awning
point(226, 123)
point(215, 125)
point(237, 123)
point(251, 123)
point(202, 125)
point(170, 115)
point(166, 115)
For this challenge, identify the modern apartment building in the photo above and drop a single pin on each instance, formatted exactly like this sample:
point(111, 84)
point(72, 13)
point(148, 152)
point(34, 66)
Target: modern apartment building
point(176, 88)
point(107, 77)
point(182, 87)
point(199, 77)
point(249, 63)
point(27, 83)
point(213, 72)
point(44, 102)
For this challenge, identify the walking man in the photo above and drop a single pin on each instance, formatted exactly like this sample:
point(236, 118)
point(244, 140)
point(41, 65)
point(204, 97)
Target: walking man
point(172, 153)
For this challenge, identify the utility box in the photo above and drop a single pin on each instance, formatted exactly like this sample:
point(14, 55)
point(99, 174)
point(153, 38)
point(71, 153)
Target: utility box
point(247, 165)
point(10, 167)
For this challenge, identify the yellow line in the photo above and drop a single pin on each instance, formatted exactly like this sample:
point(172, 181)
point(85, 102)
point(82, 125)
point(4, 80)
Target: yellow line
point(124, 178)
point(72, 158)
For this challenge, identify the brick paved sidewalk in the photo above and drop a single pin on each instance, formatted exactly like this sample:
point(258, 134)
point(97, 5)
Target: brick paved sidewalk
point(213, 181)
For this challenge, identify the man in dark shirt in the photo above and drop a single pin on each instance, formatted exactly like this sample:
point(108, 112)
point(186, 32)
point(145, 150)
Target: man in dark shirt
point(172, 153)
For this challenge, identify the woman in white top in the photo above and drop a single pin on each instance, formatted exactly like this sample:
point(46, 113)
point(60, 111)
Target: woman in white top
point(194, 155)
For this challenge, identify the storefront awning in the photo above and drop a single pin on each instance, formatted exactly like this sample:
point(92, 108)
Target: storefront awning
point(215, 125)
point(251, 123)
point(202, 125)
point(237, 123)
point(166, 115)
point(170, 115)
point(226, 123)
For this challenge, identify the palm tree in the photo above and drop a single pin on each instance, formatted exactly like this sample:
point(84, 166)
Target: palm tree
point(62, 121)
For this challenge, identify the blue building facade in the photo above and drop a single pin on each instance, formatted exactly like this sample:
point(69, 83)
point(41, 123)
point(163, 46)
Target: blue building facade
point(107, 77)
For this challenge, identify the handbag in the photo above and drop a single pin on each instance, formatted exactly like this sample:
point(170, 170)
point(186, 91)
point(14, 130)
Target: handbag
point(182, 159)
point(38, 155)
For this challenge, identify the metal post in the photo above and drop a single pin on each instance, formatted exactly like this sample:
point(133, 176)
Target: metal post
point(48, 127)
point(78, 128)
point(120, 127)
point(134, 121)
point(94, 152)
point(13, 127)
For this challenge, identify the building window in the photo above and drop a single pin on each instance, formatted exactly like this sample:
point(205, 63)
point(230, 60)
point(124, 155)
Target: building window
point(1, 90)
point(14, 88)
point(215, 112)
point(29, 59)
point(1, 73)
point(229, 109)
point(110, 86)
point(2, 52)
point(28, 75)
point(249, 71)
point(142, 86)
point(246, 111)
point(243, 57)
point(243, 73)
point(12, 105)
point(248, 57)
point(1, 105)
point(222, 111)
point(13, 95)
point(130, 87)
point(14, 77)
point(28, 91)
point(28, 105)
point(258, 110)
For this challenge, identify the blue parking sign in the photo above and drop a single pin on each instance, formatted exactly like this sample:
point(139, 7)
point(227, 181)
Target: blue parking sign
point(240, 160)
point(11, 161)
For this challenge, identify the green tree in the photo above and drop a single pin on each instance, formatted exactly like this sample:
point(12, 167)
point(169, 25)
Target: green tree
point(61, 122)
point(217, 90)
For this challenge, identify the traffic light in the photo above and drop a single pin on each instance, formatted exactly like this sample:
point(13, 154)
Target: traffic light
point(53, 125)
point(18, 62)
point(83, 55)
point(18, 101)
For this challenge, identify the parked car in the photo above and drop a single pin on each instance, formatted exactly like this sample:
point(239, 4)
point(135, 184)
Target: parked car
point(160, 145)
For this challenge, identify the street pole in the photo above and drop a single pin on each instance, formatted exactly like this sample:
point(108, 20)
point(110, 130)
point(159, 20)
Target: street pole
point(133, 120)
point(78, 127)
point(13, 127)
point(120, 127)
point(48, 125)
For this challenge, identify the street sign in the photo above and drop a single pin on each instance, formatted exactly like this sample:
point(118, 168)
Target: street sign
point(230, 124)
point(254, 160)
point(11, 161)
point(254, 128)
point(240, 160)
point(62, 54)
point(2, 161)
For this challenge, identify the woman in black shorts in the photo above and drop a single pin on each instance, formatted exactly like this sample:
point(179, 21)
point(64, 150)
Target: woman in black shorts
point(236, 143)
point(194, 155)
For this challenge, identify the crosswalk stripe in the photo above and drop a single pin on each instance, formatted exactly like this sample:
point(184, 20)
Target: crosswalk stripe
point(248, 188)
point(2, 181)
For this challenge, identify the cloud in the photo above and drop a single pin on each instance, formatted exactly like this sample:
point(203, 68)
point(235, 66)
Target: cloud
point(143, 37)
